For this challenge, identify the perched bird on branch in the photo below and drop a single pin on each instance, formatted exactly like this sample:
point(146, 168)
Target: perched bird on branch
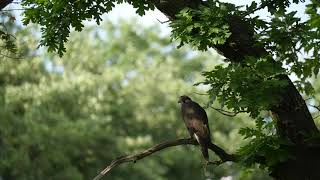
point(196, 120)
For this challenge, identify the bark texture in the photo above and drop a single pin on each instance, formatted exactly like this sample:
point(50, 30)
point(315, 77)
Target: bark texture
point(4, 3)
point(292, 116)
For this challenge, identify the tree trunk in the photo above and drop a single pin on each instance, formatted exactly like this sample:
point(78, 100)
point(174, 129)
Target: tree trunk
point(293, 119)
point(305, 166)
point(4, 3)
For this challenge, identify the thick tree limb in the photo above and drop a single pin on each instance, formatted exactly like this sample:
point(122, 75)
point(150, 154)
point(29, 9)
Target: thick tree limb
point(171, 8)
point(224, 156)
point(4, 3)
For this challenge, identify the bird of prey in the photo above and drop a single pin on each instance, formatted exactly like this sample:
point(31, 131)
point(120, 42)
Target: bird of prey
point(196, 120)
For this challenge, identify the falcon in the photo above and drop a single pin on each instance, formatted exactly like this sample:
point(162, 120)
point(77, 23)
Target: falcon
point(196, 121)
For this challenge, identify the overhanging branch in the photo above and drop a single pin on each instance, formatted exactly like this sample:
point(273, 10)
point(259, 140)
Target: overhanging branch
point(224, 156)
point(4, 3)
point(227, 113)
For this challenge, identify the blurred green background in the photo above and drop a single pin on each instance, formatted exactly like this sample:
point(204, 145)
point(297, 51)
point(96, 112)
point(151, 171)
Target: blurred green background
point(113, 93)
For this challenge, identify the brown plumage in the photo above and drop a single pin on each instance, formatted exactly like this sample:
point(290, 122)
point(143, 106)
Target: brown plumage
point(196, 120)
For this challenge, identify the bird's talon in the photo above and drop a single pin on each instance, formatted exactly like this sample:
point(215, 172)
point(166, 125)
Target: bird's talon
point(206, 163)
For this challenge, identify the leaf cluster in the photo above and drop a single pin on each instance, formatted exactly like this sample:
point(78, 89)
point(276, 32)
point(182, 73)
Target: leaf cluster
point(8, 45)
point(264, 147)
point(57, 17)
point(7, 42)
point(291, 39)
point(251, 88)
point(204, 27)
point(253, 85)
point(287, 37)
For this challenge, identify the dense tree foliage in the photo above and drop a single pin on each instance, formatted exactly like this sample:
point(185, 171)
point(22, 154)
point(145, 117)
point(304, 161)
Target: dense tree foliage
point(7, 40)
point(260, 55)
point(65, 120)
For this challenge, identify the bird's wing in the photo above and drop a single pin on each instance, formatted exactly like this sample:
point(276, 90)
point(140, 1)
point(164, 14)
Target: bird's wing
point(199, 131)
point(201, 114)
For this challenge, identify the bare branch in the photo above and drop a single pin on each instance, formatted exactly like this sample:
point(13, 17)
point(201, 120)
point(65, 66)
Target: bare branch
point(163, 22)
point(317, 108)
point(17, 9)
point(204, 94)
point(308, 98)
point(133, 158)
point(314, 106)
point(261, 6)
point(316, 117)
point(227, 113)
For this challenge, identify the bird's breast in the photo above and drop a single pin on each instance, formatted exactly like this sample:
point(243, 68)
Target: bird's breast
point(187, 111)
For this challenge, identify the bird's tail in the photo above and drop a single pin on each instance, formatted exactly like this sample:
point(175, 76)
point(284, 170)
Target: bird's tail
point(204, 146)
point(205, 153)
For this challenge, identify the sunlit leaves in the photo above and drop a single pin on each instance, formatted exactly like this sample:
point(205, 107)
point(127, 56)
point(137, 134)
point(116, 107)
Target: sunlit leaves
point(8, 47)
point(203, 28)
point(313, 11)
point(265, 147)
point(250, 88)
point(7, 42)
point(266, 150)
point(57, 17)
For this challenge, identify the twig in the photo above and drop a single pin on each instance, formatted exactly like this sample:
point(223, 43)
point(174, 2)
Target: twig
point(227, 113)
point(215, 162)
point(162, 22)
point(316, 107)
point(224, 156)
point(18, 9)
point(307, 98)
point(316, 117)
point(262, 6)
point(205, 94)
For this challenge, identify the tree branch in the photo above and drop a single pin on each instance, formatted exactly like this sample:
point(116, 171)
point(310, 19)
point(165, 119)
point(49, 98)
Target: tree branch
point(224, 156)
point(261, 6)
point(18, 9)
point(227, 113)
point(314, 106)
point(4, 3)
point(171, 8)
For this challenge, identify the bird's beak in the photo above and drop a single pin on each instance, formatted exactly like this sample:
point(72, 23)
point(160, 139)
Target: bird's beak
point(179, 101)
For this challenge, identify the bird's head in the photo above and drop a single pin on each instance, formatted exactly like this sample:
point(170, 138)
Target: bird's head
point(184, 99)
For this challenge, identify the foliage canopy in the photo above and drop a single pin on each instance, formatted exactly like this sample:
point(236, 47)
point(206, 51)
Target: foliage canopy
point(290, 47)
point(64, 119)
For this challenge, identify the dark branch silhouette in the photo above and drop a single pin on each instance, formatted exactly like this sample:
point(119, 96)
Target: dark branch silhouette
point(224, 156)
point(4, 3)
point(227, 113)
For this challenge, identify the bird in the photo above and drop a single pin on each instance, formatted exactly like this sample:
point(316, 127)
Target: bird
point(196, 121)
